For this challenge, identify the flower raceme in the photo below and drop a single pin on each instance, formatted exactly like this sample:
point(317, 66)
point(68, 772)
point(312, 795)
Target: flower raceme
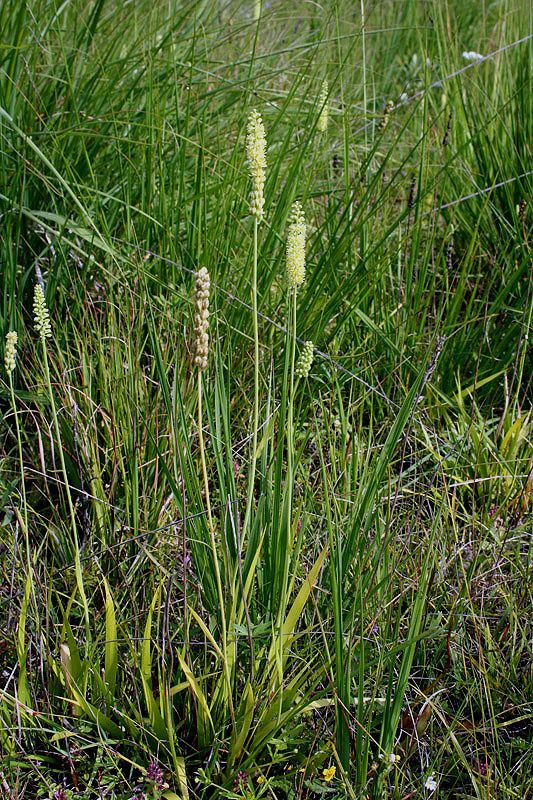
point(201, 318)
point(296, 246)
point(10, 358)
point(323, 105)
point(40, 313)
point(256, 151)
point(306, 359)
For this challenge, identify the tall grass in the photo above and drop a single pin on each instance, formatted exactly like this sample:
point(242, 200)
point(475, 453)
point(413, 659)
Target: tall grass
point(232, 583)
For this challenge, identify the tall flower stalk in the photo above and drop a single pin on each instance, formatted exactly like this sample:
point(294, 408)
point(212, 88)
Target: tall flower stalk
point(295, 276)
point(44, 329)
point(201, 353)
point(256, 153)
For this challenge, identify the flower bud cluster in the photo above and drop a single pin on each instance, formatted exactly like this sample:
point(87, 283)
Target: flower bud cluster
point(201, 318)
point(40, 313)
point(296, 246)
point(384, 121)
point(323, 105)
point(256, 150)
point(305, 361)
point(11, 351)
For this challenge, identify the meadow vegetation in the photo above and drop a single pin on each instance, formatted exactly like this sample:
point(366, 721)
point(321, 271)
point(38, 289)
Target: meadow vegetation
point(266, 457)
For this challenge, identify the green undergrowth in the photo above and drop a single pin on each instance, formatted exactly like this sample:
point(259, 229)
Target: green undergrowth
point(244, 581)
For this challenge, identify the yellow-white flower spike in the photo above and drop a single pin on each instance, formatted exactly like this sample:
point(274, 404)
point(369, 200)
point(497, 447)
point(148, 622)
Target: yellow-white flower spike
point(323, 105)
point(306, 360)
point(40, 313)
point(11, 351)
point(296, 246)
point(201, 318)
point(256, 151)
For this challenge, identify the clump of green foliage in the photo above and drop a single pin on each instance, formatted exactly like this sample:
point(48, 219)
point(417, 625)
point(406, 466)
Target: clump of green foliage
point(235, 563)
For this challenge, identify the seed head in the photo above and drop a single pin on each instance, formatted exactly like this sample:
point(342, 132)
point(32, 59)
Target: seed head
point(449, 256)
point(11, 351)
point(412, 195)
point(296, 246)
point(305, 361)
point(389, 107)
point(201, 318)
point(323, 105)
point(448, 129)
point(256, 151)
point(41, 315)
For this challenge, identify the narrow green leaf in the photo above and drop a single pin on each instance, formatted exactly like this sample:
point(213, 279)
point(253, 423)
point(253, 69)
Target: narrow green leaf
point(111, 646)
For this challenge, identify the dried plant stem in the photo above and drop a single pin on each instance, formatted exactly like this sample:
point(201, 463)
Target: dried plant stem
point(211, 527)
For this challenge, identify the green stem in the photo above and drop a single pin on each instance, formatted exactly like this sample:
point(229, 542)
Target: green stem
point(289, 483)
point(19, 442)
point(253, 467)
point(290, 422)
point(211, 526)
point(77, 560)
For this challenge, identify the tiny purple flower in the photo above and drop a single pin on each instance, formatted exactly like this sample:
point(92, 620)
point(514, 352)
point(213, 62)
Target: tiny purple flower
point(154, 773)
point(480, 766)
point(241, 781)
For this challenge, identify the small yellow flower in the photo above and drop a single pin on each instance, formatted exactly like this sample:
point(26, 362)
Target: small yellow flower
point(329, 773)
point(260, 780)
